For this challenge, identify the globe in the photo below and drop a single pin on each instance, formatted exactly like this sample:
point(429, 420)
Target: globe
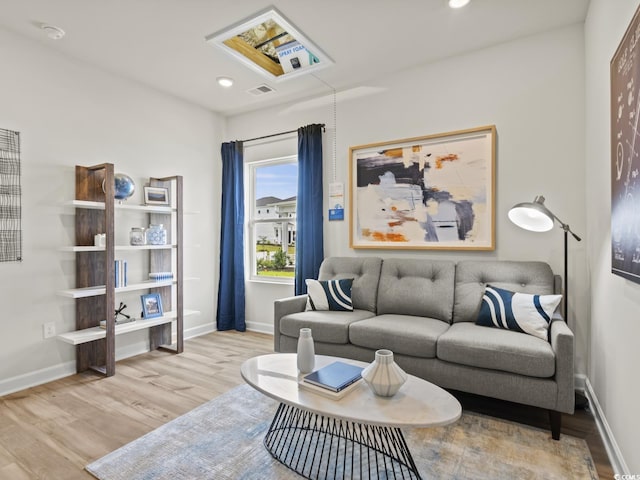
point(124, 186)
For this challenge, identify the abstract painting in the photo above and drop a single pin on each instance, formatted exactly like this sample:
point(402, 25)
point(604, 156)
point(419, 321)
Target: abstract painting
point(625, 164)
point(431, 192)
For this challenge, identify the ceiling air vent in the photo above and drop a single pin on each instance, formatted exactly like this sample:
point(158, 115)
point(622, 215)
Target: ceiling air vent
point(260, 90)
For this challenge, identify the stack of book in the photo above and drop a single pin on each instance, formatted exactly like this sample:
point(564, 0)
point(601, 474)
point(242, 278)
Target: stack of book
point(157, 276)
point(333, 381)
point(103, 323)
point(121, 273)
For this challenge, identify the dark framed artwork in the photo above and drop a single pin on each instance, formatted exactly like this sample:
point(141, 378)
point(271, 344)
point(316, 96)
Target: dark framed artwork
point(10, 197)
point(431, 192)
point(625, 148)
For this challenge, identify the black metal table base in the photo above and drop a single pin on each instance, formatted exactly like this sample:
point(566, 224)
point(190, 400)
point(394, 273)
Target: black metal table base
point(321, 447)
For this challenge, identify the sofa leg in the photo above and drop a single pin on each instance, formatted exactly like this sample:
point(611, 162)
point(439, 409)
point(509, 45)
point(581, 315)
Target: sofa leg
point(555, 419)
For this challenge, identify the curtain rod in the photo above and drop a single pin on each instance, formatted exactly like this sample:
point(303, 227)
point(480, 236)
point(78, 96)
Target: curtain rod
point(276, 134)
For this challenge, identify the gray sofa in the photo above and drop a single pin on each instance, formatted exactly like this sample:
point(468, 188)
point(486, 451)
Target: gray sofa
point(425, 311)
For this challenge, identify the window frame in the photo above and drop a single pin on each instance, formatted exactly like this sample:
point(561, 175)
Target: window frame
point(251, 221)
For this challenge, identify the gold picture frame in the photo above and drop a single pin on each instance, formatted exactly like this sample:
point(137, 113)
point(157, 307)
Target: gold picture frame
point(433, 192)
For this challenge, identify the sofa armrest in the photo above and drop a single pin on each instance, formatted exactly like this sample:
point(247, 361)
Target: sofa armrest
point(561, 338)
point(282, 307)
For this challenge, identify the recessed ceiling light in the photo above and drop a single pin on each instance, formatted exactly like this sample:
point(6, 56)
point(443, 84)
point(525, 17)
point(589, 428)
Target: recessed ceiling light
point(53, 32)
point(225, 81)
point(458, 3)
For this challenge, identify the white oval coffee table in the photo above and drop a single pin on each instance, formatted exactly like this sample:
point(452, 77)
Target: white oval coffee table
point(357, 436)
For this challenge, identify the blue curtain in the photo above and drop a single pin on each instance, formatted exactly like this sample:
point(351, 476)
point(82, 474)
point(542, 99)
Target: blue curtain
point(309, 243)
point(230, 314)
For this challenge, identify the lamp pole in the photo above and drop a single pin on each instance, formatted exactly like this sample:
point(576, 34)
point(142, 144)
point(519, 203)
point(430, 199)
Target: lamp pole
point(535, 216)
point(567, 230)
point(565, 314)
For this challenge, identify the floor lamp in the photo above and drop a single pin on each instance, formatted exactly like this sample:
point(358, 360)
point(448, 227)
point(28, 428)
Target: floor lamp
point(535, 217)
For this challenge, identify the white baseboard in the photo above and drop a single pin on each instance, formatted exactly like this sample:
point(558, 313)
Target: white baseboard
point(38, 377)
point(580, 382)
point(49, 374)
point(260, 327)
point(143, 347)
point(199, 330)
point(610, 444)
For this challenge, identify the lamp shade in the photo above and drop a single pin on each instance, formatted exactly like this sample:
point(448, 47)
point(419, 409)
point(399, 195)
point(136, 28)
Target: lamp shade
point(533, 216)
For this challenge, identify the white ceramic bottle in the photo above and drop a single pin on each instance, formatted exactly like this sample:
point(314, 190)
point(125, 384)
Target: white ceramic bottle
point(306, 351)
point(383, 375)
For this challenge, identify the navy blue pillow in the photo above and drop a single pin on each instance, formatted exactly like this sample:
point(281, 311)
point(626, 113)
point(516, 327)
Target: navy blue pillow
point(329, 295)
point(521, 312)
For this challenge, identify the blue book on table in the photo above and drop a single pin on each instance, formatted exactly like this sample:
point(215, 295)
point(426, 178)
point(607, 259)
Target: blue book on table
point(335, 376)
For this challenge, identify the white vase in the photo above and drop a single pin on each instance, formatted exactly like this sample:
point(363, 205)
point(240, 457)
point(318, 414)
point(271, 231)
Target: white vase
point(306, 351)
point(383, 375)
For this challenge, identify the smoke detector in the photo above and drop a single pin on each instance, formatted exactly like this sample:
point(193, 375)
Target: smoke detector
point(53, 32)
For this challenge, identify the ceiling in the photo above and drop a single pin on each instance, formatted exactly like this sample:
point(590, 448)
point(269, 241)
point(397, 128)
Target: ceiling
point(161, 43)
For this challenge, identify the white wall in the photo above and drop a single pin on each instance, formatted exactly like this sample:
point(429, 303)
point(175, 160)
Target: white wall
point(70, 113)
point(532, 89)
point(615, 302)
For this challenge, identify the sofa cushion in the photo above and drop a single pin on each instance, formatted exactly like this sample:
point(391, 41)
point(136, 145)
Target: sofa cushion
point(473, 345)
point(402, 334)
point(473, 276)
point(520, 312)
point(365, 272)
point(423, 288)
point(329, 295)
point(328, 327)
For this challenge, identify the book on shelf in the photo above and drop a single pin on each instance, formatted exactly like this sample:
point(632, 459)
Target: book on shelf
point(159, 276)
point(334, 377)
point(103, 323)
point(121, 273)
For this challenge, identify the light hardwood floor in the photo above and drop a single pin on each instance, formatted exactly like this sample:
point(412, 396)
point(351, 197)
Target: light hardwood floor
point(52, 431)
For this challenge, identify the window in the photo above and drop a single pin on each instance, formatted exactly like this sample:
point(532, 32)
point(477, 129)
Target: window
point(271, 214)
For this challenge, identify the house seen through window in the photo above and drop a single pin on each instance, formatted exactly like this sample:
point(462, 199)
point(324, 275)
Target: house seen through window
point(272, 218)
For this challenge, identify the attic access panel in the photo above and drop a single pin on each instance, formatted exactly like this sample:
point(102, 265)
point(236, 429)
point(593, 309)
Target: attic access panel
point(271, 45)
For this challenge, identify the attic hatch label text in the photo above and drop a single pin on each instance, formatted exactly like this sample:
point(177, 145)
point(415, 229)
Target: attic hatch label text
point(289, 51)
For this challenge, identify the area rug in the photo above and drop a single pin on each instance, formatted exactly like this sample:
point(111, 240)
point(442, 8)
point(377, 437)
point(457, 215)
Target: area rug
point(222, 440)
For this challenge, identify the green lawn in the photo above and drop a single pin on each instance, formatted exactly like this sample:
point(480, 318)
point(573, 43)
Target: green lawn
point(271, 272)
point(291, 249)
point(275, 273)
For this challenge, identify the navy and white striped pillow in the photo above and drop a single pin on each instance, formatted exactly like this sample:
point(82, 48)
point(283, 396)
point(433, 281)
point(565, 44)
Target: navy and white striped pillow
point(329, 295)
point(521, 312)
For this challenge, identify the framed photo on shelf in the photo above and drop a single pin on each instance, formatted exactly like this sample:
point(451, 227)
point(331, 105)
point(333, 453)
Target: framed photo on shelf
point(432, 192)
point(151, 305)
point(156, 196)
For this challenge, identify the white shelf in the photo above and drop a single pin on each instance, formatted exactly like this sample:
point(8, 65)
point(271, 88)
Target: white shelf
point(118, 248)
point(101, 289)
point(96, 333)
point(126, 206)
point(121, 206)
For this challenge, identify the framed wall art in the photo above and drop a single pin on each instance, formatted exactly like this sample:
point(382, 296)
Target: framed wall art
point(431, 192)
point(625, 165)
point(156, 196)
point(151, 305)
point(10, 197)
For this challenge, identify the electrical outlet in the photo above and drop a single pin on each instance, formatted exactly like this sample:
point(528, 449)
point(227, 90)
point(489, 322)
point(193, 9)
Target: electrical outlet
point(48, 329)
